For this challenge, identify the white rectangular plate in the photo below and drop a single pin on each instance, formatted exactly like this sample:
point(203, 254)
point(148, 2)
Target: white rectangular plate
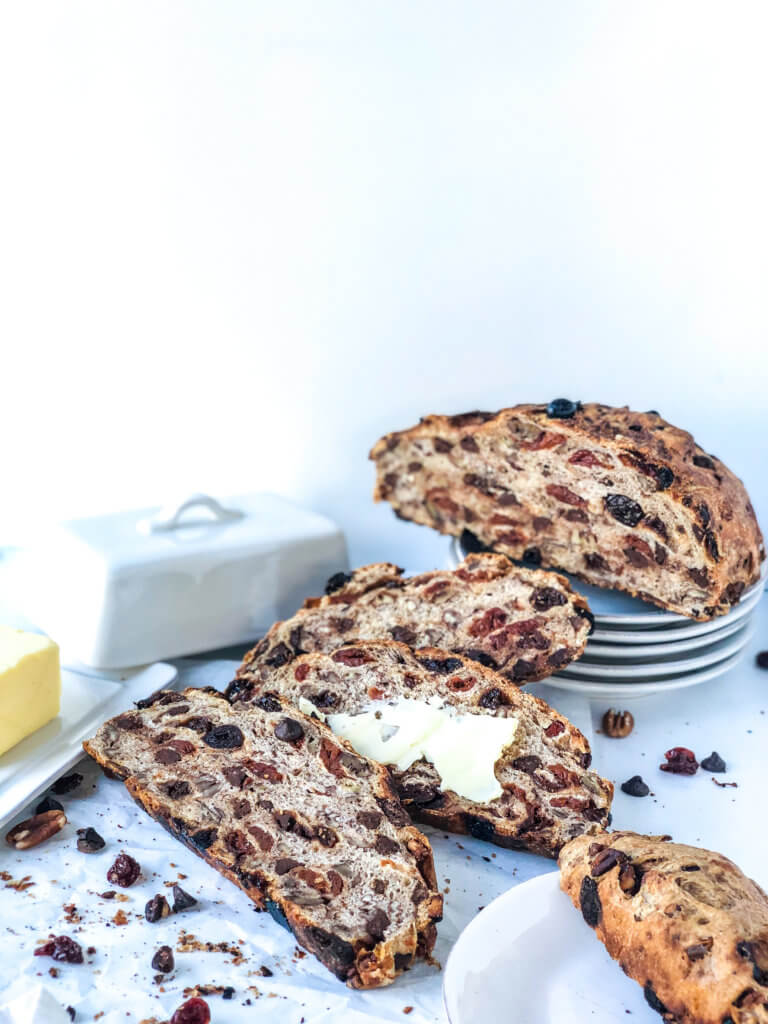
point(87, 699)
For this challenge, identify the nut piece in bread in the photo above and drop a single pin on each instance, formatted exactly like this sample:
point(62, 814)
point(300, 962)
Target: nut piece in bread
point(310, 831)
point(621, 499)
point(549, 794)
point(685, 923)
point(523, 622)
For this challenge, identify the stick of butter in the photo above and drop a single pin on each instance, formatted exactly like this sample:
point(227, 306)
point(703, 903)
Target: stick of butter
point(30, 684)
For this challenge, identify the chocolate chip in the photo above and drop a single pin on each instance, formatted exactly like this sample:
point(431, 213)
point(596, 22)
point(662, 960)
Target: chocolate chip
point(713, 763)
point(703, 461)
point(653, 1000)
point(481, 658)
point(377, 924)
point(699, 950)
point(385, 846)
point(284, 865)
point(156, 909)
point(623, 509)
point(589, 900)
point(761, 660)
point(562, 409)
point(182, 900)
point(522, 669)
point(167, 755)
point(491, 699)
point(163, 960)
point(479, 828)
point(204, 838)
point(177, 789)
point(635, 787)
point(369, 819)
point(441, 666)
point(288, 729)
point(544, 598)
point(89, 840)
point(403, 961)
point(532, 556)
point(279, 656)
point(224, 737)
point(528, 763)
point(403, 635)
point(48, 804)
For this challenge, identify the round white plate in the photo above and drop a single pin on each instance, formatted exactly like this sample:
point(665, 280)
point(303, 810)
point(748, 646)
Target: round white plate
point(611, 689)
point(661, 666)
point(651, 636)
point(612, 608)
point(529, 958)
point(614, 652)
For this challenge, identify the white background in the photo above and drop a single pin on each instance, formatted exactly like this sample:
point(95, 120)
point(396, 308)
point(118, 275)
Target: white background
point(241, 240)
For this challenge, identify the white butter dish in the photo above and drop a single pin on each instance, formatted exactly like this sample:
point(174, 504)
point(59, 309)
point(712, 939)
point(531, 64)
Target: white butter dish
point(140, 586)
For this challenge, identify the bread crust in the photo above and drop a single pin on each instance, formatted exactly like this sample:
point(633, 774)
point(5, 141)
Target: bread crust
point(359, 961)
point(525, 622)
point(453, 472)
point(687, 925)
point(550, 795)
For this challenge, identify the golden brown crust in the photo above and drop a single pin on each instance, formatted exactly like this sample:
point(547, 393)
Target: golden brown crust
point(525, 622)
point(128, 750)
point(685, 923)
point(437, 473)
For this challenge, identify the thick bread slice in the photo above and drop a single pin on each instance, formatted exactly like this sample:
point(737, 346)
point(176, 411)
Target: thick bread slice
point(685, 923)
point(524, 622)
point(549, 795)
point(309, 830)
point(621, 499)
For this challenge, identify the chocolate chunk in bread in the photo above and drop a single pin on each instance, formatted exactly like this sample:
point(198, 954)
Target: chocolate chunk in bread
point(548, 795)
point(278, 813)
point(685, 923)
point(517, 620)
point(621, 499)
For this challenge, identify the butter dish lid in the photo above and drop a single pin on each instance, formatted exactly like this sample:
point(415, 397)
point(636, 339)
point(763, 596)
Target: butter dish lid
point(133, 587)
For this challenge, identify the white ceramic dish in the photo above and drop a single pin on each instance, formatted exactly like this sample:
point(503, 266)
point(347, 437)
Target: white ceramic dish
point(529, 958)
point(611, 689)
point(615, 652)
point(30, 767)
point(665, 666)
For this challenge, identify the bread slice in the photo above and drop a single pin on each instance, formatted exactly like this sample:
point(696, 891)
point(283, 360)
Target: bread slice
point(549, 794)
point(685, 923)
point(309, 830)
point(621, 499)
point(524, 622)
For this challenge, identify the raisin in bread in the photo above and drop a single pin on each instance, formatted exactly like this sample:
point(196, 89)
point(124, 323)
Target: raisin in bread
point(548, 795)
point(525, 622)
point(683, 922)
point(621, 499)
point(309, 830)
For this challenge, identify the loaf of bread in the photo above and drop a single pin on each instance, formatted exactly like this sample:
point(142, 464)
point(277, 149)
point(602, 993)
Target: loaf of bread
point(547, 794)
point(309, 830)
point(685, 923)
point(525, 622)
point(621, 499)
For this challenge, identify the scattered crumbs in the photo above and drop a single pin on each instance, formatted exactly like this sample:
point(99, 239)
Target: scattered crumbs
point(447, 889)
point(99, 1015)
point(187, 943)
point(181, 874)
point(70, 913)
point(209, 990)
point(299, 954)
point(493, 855)
point(53, 971)
point(407, 1009)
point(725, 785)
point(19, 884)
point(254, 992)
point(120, 918)
point(480, 908)
point(108, 895)
point(488, 859)
point(459, 846)
point(264, 971)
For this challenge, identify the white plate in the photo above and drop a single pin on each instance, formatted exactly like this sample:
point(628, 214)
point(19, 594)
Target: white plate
point(613, 652)
point(612, 608)
point(665, 666)
point(610, 689)
point(652, 636)
point(529, 958)
point(87, 699)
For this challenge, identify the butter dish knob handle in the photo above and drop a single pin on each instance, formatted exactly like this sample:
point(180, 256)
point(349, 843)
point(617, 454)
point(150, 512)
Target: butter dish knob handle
point(170, 517)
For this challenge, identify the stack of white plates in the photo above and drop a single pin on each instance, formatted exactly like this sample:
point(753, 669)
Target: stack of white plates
point(637, 650)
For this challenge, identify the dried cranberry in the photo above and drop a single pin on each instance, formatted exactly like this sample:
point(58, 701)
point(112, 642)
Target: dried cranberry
point(63, 949)
point(635, 786)
point(623, 509)
point(224, 737)
point(163, 960)
point(337, 581)
point(67, 783)
point(194, 1011)
point(713, 763)
point(124, 871)
point(288, 729)
point(562, 409)
point(545, 598)
point(182, 900)
point(89, 840)
point(156, 909)
point(680, 761)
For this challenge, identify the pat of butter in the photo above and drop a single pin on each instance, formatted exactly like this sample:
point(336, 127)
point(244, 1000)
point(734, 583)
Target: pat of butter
point(463, 748)
point(30, 684)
